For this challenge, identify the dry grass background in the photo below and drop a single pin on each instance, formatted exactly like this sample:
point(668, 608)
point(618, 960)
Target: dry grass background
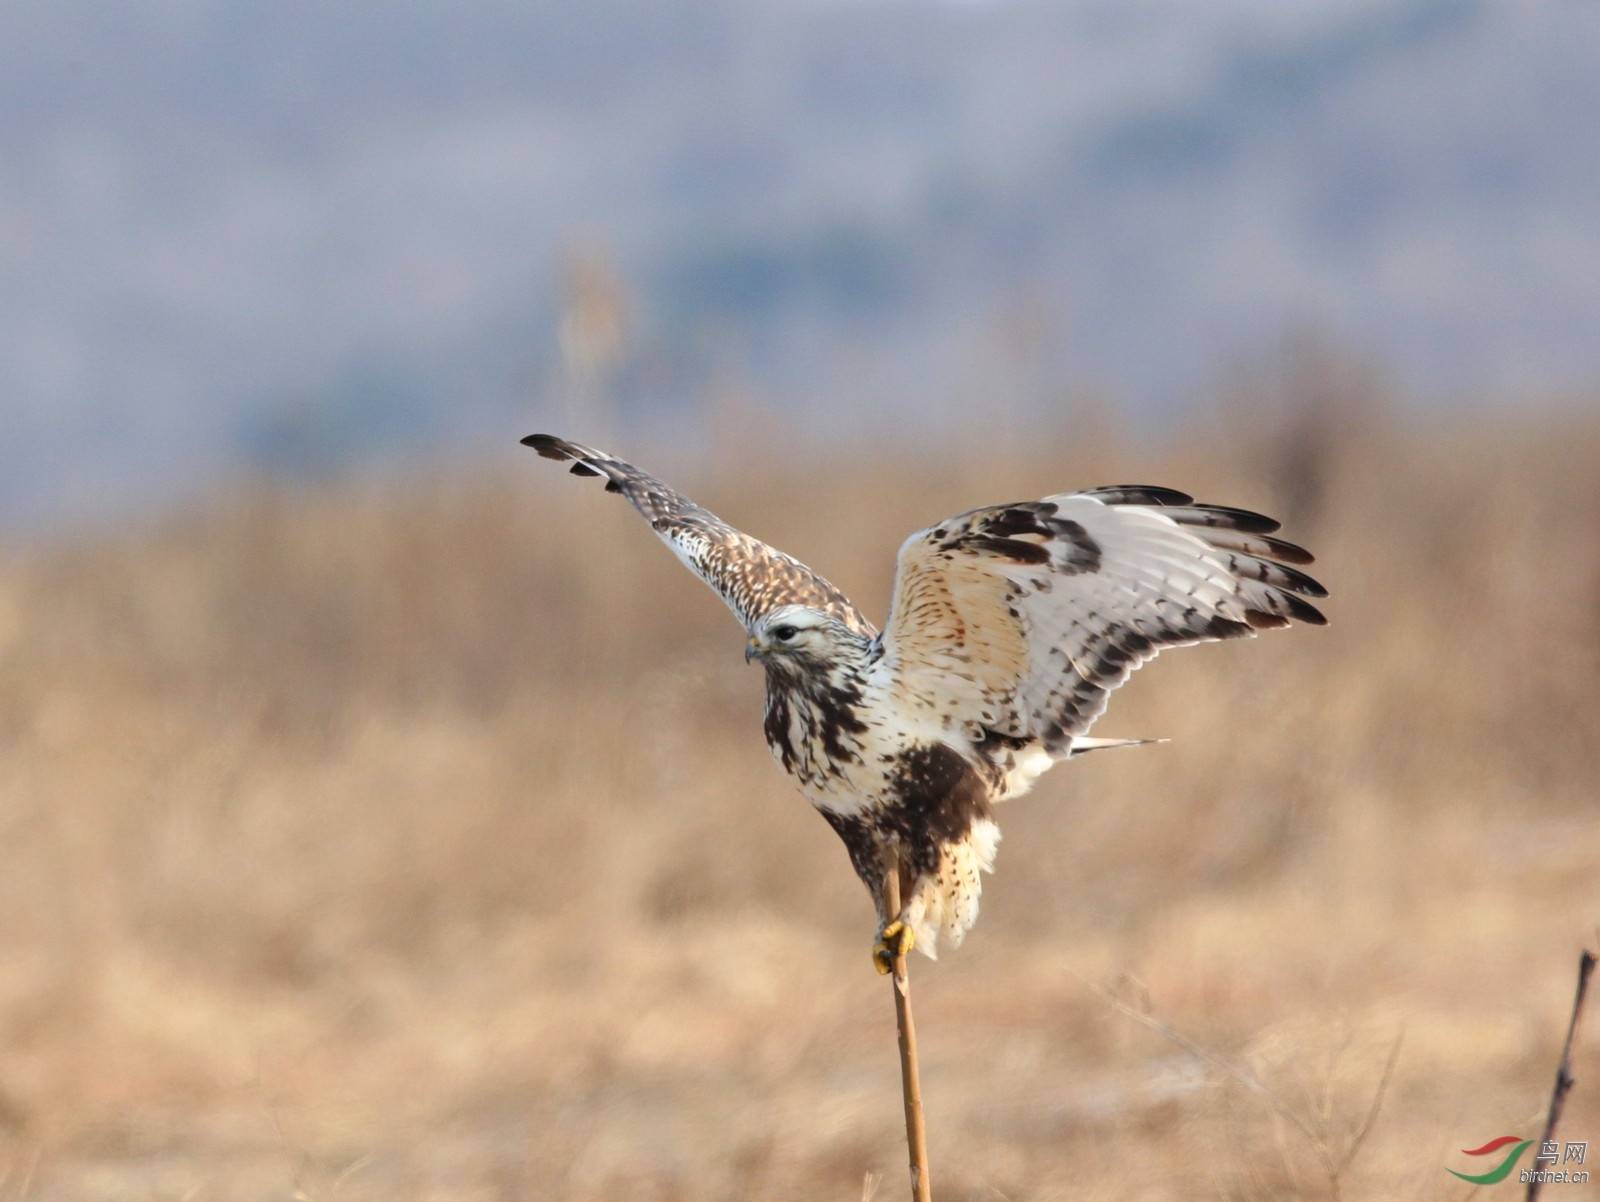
point(390, 841)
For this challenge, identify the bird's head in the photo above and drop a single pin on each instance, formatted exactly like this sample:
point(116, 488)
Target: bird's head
point(794, 639)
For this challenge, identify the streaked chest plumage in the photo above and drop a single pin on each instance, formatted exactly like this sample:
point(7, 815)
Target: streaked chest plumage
point(847, 739)
point(834, 737)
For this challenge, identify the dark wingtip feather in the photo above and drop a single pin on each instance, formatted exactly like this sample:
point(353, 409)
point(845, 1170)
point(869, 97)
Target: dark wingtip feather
point(1293, 580)
point(1260, 619)
point(1140, 494)
point(1248, 520)
point(549, 446)
point(1287, 552)
point(1220, 627)
point(1304, 611)
point(1308, 585)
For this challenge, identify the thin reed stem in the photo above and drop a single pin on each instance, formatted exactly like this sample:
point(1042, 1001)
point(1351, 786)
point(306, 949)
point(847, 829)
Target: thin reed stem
point(910, 1072)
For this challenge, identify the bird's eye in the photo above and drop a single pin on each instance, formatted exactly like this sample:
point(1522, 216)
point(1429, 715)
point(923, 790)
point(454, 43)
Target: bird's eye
point(784, 633)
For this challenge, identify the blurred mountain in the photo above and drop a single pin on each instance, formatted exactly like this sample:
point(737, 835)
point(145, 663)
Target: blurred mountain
point(284, 235)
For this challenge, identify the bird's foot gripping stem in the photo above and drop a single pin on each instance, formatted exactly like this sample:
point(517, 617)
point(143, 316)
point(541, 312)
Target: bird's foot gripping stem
point(894, 941)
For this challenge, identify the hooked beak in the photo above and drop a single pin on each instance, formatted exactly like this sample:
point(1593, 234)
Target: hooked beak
point(752, 650)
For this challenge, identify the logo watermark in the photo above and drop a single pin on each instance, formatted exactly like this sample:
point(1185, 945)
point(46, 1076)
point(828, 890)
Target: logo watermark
point(1562, 1161)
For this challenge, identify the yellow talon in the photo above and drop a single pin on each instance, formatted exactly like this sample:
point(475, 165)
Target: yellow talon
point(894, 941)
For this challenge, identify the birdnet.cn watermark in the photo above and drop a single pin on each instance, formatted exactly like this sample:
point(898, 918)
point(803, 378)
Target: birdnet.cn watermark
point(1556, 1163)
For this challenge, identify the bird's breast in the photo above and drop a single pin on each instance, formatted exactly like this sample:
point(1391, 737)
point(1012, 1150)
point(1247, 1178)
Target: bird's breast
point(844, 746)
point(820, 734)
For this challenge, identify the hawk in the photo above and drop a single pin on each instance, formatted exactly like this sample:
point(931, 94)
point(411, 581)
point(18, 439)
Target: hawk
point(1009, 628)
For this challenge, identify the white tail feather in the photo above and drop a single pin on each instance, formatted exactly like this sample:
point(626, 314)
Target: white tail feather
point(1083, 743)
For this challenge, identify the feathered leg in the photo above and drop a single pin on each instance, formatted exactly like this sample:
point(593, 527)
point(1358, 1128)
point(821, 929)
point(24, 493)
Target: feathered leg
point(939, 878)
point(868, 840)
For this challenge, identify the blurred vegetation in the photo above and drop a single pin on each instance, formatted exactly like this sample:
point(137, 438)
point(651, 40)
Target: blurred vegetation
point(290, 236)
point(416, 839)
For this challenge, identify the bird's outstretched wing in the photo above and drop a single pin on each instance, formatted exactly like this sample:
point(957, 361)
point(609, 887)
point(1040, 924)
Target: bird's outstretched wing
point(750, 576)
point(1021, 619)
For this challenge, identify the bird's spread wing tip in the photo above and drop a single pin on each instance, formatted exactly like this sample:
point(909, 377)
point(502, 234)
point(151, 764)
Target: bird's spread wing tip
point(559, 449)
point(549, 446)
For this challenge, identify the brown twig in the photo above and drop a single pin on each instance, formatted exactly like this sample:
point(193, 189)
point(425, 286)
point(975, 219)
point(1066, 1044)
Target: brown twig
point(910, 1072)
point(1564, 1078)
